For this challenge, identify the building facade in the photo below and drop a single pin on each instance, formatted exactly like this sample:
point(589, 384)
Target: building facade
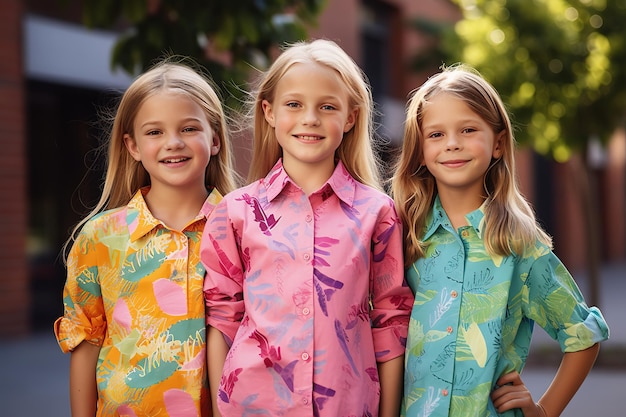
point(55, 75)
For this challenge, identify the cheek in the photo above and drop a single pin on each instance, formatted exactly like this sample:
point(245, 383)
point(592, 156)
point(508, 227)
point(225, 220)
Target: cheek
point(429, 153)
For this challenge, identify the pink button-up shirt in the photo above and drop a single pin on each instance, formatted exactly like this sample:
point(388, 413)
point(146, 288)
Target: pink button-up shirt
point(310, 291)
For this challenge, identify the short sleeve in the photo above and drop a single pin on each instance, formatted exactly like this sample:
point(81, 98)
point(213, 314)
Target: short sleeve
point(84, 317)
point(392, 299)
point(557, 305)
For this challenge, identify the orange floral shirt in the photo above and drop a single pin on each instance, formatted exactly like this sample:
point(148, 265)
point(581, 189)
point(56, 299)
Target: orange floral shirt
point(134, 287)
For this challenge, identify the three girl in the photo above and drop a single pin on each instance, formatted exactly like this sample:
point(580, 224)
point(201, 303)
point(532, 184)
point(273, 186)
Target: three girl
point(134, 316)
point(480, 266)
point(306, 300)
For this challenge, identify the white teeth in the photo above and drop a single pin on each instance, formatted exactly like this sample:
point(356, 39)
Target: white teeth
point(173, 161)
point(308, 137)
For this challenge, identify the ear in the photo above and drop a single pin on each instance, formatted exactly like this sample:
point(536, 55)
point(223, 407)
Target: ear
point(132, 147)
point(215, 144)
point(268, 112)
point(498, 144)
point(351, 120)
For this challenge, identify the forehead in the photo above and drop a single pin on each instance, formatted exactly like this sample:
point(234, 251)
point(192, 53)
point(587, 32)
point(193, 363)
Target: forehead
point(445, 105)
point(310, 77)
point(167, 104)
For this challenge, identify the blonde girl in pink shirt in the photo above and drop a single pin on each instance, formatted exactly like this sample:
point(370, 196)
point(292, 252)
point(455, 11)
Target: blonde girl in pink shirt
point(305, 292)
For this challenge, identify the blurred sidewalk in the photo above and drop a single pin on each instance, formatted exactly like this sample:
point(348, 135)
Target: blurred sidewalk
point(35, 376)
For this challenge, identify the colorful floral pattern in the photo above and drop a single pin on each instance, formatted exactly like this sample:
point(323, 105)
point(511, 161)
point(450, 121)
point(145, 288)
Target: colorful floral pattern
point(310, 292)
point(473, 317)
point(134, 287)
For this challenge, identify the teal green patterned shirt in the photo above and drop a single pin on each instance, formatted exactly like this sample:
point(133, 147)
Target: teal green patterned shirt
point(473, 317)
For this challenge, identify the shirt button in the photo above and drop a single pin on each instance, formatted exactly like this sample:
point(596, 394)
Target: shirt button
point(449, 329)
point(305, 400)
point(454, 294)
point(465, 233)
point(308, 218)
point(305, 356)
point(306, 311)
point(444, 392)
point(307, 256)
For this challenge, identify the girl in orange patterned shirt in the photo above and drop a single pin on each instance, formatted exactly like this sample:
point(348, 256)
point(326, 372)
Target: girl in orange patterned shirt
point(133, 307)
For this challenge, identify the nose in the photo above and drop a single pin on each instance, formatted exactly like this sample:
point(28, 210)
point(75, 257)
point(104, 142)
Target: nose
point(174, 141)
point(310, 118)
point(453, 142)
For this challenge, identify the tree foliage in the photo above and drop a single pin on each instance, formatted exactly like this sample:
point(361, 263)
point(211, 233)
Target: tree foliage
point(560, 65)
point(224, 36)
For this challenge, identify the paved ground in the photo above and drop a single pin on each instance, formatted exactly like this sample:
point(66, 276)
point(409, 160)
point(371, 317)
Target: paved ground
point(34, 375)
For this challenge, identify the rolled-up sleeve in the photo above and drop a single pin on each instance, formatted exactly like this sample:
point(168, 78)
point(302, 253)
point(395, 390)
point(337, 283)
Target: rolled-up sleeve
point(223, 284)
point(392, 299)
point(84, 316)
point(557, 305)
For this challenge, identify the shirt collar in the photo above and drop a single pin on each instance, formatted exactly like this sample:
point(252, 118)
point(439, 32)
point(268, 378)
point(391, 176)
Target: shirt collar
point(140, 220)
point(439, 218)
point(341, 182)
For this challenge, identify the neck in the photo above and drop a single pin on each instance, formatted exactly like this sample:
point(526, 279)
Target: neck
point(176, 207)
point(458, 204)
point(310, 177)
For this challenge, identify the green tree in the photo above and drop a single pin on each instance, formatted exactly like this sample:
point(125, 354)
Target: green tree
point(226, 37)
point(560, 65)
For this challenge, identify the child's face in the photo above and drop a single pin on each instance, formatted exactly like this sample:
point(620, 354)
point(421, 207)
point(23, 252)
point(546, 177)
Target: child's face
point(458, 145)
point(173, 140)
point(310, 113)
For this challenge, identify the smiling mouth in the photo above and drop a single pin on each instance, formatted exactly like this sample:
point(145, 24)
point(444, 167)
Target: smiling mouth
point(456, 163)
point(175, 160)
point(308, 138)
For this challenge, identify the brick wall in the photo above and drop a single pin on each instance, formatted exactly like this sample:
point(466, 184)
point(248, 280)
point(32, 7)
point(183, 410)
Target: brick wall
point(14, 284)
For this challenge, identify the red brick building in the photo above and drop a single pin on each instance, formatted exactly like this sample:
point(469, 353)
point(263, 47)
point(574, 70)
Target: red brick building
point(54, 75)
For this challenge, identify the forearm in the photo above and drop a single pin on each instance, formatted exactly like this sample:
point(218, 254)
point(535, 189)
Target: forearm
point(83, 390)
point(391, 375)
point(574, 368)
point(217, 349)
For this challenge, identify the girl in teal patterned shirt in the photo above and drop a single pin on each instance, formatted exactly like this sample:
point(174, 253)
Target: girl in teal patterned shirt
point(482, 269)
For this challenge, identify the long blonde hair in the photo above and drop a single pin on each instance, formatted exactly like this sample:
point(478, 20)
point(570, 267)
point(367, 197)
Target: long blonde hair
point(510, 224)
point(356, 150)
point(125, 175)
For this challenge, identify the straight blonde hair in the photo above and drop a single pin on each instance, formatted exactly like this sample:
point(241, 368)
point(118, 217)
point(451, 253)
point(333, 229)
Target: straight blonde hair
point(510, 224)
point(125, 175)
point(357, 148)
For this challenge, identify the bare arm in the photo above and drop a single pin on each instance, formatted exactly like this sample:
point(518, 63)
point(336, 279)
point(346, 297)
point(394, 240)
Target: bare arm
point(217, 349)
point(391, 375)
point(83, 391)
point(574, 368)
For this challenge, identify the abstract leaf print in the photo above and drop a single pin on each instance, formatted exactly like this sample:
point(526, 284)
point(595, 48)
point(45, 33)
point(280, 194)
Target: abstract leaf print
point(324, 295)
point(265, 222)
point(351, 213)
point(475, 340)
point(271, 356)
point(322, 395)
point(383, 238)
point(317, 312)
point(136, 291)
point(343, 342)
point(319, 278)
point(227, 266)
point(227, 385)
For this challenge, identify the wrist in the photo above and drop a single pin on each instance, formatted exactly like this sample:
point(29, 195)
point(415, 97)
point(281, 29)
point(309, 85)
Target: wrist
point(542, 411)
